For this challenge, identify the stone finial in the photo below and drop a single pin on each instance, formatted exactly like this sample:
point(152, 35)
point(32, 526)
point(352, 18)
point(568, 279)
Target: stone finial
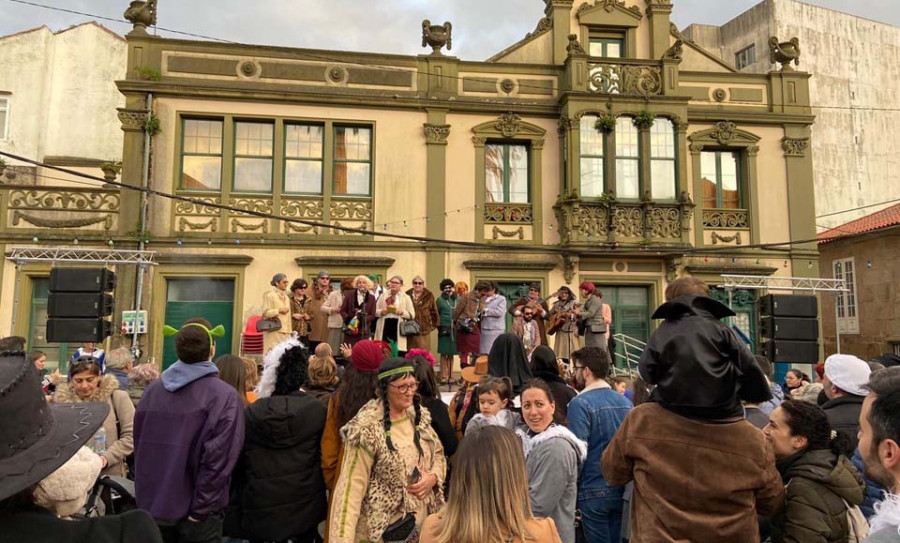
point(785, 53)
point(437, 36)
point(141, 13)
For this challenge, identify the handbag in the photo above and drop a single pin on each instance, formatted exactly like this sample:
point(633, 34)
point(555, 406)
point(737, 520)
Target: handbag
point(444, 331)
point(403, 530)
point(409, 328)
point(268, 325)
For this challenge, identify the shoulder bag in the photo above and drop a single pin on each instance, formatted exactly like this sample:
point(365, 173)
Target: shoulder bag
point(409, 328)
point(268, 325)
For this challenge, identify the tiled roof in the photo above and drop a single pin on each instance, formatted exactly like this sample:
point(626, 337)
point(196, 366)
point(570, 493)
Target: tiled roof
point(876, 221)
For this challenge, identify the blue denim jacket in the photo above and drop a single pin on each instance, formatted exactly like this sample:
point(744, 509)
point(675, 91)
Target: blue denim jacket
point(594, 416)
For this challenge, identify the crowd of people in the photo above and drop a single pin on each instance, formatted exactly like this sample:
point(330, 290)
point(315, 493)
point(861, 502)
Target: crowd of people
point(344, 436)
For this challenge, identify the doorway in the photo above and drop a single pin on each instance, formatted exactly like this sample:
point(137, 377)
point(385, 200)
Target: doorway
point(630, 314)
point(211, 299)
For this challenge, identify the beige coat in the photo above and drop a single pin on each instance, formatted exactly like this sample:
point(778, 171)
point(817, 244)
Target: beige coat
point(118, 444)
point(405, 310)
point(273, 301)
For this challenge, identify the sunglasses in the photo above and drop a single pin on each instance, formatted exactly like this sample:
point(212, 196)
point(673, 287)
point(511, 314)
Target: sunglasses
point(418, 283)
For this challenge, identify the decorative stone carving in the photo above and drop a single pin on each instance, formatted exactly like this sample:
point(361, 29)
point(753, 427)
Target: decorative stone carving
point(726, 218)
point(132, 120)
point(537, 145)
point(508, 124)
point(544, 25)
point(570, 264)
point(337, 74)
point(563, 125)
point(795, 146)
point(519, 232)
point(351, 210)
point(785, 53)
point(508, 213)
point(676, 52)
point(184, 224)
point(626, 79)
point(716, 238)
point(664, 223)
point(249, 68)
point(628, 221)
point(719, 95)
point(724, 132)
point(436, 134)
point(253, 205)
point(752, 151)
point(352, 231)
point(574, 47)
point(45, 222)
point(45, 200)
point(608, 6)
point(437, 36)
point(199, 207)
point(299, 228)
point(673, 29)
point(591, 219)
point(302, 209)
point(507, 85)
point(479, 141)
point(237, 225)
point(141, 14)
point(696, 148)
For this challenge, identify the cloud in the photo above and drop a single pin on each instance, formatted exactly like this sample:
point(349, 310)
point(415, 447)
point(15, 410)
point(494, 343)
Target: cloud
point(480, 27)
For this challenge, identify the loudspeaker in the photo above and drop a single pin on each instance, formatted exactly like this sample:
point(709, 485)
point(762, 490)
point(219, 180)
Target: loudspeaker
point(791, 351)
point(78, 330)
point(786, 305)
point(82, 280)
point(789, 328)
point(79, 304)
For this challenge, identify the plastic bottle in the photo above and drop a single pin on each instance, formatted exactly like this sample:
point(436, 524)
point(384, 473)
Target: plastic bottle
point(100, 441)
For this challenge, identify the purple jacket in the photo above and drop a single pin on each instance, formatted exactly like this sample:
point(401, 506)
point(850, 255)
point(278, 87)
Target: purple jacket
point(188, 434)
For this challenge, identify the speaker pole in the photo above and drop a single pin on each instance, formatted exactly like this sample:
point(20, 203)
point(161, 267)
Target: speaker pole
point(837, 324)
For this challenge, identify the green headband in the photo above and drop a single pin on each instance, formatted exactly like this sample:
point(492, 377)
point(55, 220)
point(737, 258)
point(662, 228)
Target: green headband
point(218, 331)
point(395, 371)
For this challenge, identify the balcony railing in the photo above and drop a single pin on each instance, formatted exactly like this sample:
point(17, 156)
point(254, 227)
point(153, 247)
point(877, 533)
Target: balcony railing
point(28, 208)
point(508, 213)
point(646, 223)
point(625, 77)
point(726, 218)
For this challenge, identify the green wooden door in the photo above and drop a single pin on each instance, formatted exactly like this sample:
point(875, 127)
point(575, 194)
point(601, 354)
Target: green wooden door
point(211, 299)
point(57, 353)
point(743, 303)
point(630, 313)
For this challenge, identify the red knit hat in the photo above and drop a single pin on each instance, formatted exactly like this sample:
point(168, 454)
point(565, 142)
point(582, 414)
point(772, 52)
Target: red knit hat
point(366, 356)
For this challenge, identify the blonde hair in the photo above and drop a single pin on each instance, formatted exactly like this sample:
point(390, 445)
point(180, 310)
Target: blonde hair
point(369, 284)
point(495, 506)
point(322, 368)
point(252, 372)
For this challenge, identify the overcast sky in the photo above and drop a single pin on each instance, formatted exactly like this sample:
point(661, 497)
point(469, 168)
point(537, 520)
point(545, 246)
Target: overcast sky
point(481, 27)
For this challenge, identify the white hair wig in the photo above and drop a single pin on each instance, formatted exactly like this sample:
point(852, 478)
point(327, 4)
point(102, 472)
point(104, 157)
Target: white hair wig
point(271, 362)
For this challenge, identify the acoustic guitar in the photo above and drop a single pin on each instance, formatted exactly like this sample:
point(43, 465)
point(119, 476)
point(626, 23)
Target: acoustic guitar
point(558, 319)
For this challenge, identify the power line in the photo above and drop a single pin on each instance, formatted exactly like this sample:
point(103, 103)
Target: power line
point(857, 209)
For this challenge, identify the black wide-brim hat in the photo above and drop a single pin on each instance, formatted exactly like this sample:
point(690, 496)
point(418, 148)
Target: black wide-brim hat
point(36, 438)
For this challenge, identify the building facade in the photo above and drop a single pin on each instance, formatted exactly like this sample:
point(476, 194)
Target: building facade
point(856, 75)
point(604, 146)
point(865, 253)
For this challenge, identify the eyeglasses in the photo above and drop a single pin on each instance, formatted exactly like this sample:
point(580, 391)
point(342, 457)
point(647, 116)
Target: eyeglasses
point(448, 288)
point(418, 283)
point(579, 368)
point(405, 389)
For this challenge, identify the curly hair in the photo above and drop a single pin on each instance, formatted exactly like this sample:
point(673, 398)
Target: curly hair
point(292, 372)
point(387, 366)
point(143, 374)
point(808, 420)
point(322, 370)
point(356, 389)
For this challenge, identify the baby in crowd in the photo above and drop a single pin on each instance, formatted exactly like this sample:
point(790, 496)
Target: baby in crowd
point(494, 397)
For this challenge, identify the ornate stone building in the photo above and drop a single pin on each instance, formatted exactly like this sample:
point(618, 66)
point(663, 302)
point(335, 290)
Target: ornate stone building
point(603, 146)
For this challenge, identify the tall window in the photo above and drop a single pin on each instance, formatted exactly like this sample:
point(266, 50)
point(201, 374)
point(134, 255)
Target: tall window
point(506, 173)
point(628, 158)
point(591, 157)
point(303, 144)
point(253, 156)
point(745, 57)
point(201, 159)
point(4, 118)
point(721, 180)
point(662, 160)
point(847, 318)
point(352, 161)
point(606, 47)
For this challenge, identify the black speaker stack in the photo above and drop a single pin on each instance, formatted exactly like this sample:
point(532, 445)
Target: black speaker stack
point(79, 301)
point(789, 328)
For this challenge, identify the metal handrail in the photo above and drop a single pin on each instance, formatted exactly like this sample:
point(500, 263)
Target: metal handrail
point(630, 347)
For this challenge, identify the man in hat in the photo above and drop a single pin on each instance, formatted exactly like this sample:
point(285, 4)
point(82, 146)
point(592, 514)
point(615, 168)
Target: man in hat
point(41, 456)
point(188, 434)
point(844, 384)
point(540, 310)
point(879, 443)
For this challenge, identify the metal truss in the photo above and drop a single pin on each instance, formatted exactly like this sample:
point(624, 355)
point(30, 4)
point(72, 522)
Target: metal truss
point(82, 255)
point(757, 282)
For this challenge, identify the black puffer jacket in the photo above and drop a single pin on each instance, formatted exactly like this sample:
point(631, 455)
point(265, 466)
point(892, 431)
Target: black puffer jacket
point(278, 491)
point(843, 415)
point(701, 369)
point(816, 481)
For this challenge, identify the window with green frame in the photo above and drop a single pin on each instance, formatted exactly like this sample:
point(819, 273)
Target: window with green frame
point(352, 161)
point(663, 161)
point(606, 47)
point(592, 158)
point(253, 150)
point(201, 154)
point(303, 156)
point(507, 173)
point(628, 159)
point(720, 172)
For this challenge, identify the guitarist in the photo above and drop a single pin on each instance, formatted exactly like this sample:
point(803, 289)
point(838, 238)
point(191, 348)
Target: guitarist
point(562, 324)
point(595, 317)
point(541, 311)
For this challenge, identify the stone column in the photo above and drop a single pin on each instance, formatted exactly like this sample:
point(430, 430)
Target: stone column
point(659, 12)
point(436, 133)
